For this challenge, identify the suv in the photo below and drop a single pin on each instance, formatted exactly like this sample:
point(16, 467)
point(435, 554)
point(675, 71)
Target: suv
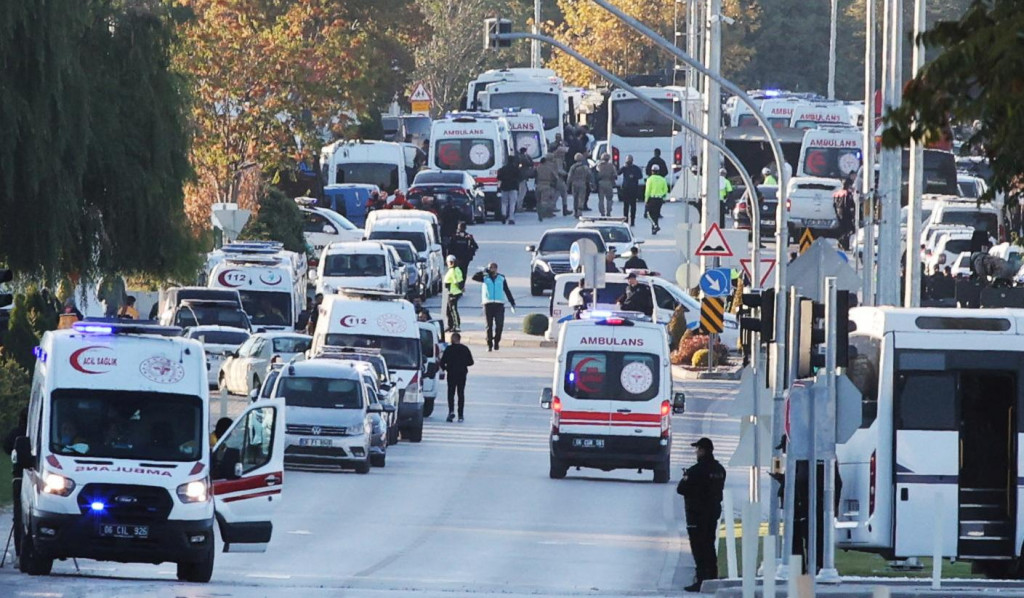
point(328, 415)
point(551, 255)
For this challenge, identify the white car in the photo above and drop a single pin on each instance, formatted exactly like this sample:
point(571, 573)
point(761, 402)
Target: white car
point(218, 343)
point(363, 265)
point(811, 205)
point(245, 369)
point(616, 234)
point(961, 267)
point(321, 227)
point(948, 248)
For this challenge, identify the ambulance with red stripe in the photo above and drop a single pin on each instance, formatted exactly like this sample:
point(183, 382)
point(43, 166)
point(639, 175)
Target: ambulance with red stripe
point(611, 398)
point(475, 142)
point(117, 460)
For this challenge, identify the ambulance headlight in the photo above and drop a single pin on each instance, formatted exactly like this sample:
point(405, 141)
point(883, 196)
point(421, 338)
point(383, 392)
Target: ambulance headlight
point(194, 491)
point(57, 484)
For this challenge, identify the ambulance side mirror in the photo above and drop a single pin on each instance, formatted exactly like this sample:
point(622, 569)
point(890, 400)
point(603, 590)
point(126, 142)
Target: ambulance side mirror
point(254, 394)
point(545, 398)
point(679, 402)
point(22, 455)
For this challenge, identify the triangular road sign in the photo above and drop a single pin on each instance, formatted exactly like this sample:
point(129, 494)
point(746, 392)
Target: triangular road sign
point(806, 240)
point(765, 269)
point(419, 94)
point(714, 244)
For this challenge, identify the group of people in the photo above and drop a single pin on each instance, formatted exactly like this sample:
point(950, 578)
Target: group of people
point(378, 200)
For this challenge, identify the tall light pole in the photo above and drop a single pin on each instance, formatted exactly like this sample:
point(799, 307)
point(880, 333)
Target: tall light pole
point(535, 44)
point(891, 167)
point(912, 291)
point(832, 50)
point(711, 206)
point(868, 169)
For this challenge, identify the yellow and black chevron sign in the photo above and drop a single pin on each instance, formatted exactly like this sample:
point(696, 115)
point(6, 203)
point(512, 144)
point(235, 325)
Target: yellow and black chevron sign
point(712, 310)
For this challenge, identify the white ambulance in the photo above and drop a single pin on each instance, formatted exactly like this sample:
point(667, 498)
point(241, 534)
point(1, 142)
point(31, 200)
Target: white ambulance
point(385, 321)
point(611, 399)
point(475, 142)
point(272, 292)
point(117, 462)
point(830, 152)
point(812, 116)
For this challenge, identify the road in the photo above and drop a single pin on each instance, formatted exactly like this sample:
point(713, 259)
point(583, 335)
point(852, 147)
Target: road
point(470, 510)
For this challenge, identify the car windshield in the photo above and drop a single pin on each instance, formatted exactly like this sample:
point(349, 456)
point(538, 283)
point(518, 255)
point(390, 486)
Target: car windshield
point(958, 246)
point(220, 337)
point(544, 104)
point(400, 353)
point(291, 344)
point(610, 375)
point(418, 239)
point(986, 221)
point(405, 252)
point(268, 308)
point(383, 175)
point(326, 393)
point(133, 425)
point(200, 315)
point(339, 220)
point(614, 234)
point(347, 265)
point(438, 178)
point(562, 242)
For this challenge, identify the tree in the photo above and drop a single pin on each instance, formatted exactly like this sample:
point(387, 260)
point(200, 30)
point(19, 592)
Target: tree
point(278, 219)
point(975, 79)
point(93, 157)
point(21, 337)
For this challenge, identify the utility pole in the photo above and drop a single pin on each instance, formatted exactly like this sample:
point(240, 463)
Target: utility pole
point(868, 164)
point(912, 292)
point(535, 44)
point(711, 206)
point(832, 50)
point(891, 180)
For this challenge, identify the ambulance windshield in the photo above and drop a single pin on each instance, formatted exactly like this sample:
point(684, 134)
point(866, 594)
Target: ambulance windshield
point(399, 352)
point(115, 424)
point(268, 308)
point(612, 375)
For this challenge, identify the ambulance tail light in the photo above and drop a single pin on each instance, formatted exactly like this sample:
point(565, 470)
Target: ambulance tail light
point(556, 418)
point(677, 156)
point(666, 415)
point(615, 156)
point(873, 476)
point(789, 204)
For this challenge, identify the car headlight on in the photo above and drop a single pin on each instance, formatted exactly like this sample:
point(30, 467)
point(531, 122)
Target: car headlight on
point(58, 485)
point(194, 491)
point(541, 265)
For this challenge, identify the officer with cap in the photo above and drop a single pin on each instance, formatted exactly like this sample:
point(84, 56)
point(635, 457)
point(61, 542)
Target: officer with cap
point(701, 489)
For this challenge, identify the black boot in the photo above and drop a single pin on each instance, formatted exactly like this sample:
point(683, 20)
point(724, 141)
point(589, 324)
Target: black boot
point(694, 587)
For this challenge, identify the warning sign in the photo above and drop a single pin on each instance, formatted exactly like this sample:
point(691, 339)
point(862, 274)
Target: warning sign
point(419, 94)
point(806, 240)
point(714, 244)
point(712, 315)
point(765, 269)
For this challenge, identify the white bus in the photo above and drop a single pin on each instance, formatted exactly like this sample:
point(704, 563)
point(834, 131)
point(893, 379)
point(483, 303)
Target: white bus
point(636, 129)
point(939, 439)
point(479, 85)
point(544, 98)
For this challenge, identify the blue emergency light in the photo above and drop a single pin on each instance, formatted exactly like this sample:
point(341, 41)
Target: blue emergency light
point(97, 506)
point(113, 326)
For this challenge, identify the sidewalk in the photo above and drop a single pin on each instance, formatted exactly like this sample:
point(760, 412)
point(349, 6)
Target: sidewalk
point(509, 338)
point(730, 371)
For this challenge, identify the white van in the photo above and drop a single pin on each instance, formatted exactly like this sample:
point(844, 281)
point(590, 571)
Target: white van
point(117, 462)
point(421, 233)
point(813, 116)
point(387, 164)
point(361, 265)
point(611, 397)
point(271, 295)
point(476, 142)
point(385, 321)
point(831, 152)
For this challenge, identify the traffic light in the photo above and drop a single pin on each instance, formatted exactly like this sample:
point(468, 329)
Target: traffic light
point(493, 27)
point(6, 298)
point(764, 323)
point(843, 300)
point(811, 354)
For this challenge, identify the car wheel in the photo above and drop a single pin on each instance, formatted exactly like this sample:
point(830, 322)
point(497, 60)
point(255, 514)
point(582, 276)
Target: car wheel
point(414, 434)
point(535, 290)
point(428, 407)
point(558, 468)
point(363, 467)
point(197, 571)
point(30, 562)
point(379, 459)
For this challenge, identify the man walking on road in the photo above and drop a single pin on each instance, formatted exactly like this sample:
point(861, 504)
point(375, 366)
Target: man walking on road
point(454, 282)
point(508, 187)
point(579, 178)
point(493, 295)
point(656, 164)
point(463, 246)
point(701, 489)
point(606, 175)
point(654, 194)
point(629, 191)
point(456, 360)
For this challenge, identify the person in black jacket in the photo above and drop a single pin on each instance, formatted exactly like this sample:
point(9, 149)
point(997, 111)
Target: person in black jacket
point(629, 191)
point(636, 298)
point(508, 189)
point(656, 161)
point(701, 488)
point(636, 262)
point(456, 360)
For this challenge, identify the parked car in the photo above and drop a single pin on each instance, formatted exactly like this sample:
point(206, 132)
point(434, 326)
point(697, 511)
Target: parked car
point(243, 370)
point(454, 186)
point(551, 255)
point(768, 202)
point(415, 267)
point(386, 387)
point(218, 342)
point(812, 206)
point(321, 227)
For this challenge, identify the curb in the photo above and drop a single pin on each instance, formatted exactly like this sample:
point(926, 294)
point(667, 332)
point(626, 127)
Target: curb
point(719, 373)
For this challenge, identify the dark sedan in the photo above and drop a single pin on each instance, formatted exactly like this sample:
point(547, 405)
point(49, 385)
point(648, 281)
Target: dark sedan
point(551, 255)
point(768, 200)
point(457, 187)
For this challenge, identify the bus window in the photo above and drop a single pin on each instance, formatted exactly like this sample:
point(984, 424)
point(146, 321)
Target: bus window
point(865, 356)
point(926, 401)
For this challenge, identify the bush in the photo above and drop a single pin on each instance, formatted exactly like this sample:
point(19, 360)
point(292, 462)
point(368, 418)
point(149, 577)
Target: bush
point(700, 358)
point(535, 324)
point(15, 384)
point(691, 344)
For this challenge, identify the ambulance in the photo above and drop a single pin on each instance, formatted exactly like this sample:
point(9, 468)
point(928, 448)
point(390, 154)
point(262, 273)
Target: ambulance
point(812, 116)
point(611, 398)
point(117, 462)
point(779, 111)
point(272, 285)
point(528, 132)
point(379, 320)
point(830, 152)
point(475, 142)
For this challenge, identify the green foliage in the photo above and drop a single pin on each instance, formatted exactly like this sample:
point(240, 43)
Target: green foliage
point(700, 358)
point(975, 78)
point(535, 324)
point(677, 326)
point(94, 154)
point(278, 219)
point(15, 384)
point(21, 335)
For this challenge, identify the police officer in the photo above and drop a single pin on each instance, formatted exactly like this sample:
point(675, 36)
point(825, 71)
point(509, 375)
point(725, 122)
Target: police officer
point(701, 489)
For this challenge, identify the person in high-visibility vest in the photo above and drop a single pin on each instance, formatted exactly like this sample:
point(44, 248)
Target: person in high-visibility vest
point(654, 194)
point(768, 178)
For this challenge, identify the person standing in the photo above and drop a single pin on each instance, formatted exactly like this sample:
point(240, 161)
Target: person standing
point(547, 183)
point(111, 294)
point(629, 191)
point(635, 262)
point(724, 189)
point(701, 488)
point(463, 246)
point(450, 217)
point(128, 310)
point(656, 161)
point(606, 175)
point(400, 202)
point(654, 194)
point(636, 297)
point(456, 360)
point(561, 187)
point(508, 187)
point(609, 262)
point(526, 172)
point(314, 314)
point(493, 295)
point(579, 179)
point(767, 178)
point(455, 282)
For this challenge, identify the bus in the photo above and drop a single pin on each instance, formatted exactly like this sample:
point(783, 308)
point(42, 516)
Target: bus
point(479, 85)
point(939, 441)
point(636, 129)
point(540, 97)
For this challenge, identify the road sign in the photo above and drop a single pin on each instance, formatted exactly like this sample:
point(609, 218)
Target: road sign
point(716, 282)
point(765, 269)
point(574, 256)
point(712, 315)
point(687, 274)
point(420, 99)
point(806, 240)
point(714, 244)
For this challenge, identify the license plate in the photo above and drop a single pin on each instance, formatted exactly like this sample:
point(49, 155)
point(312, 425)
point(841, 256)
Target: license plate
point(314, 442)
point(121, 530)
point(587, 443)
point(818, 222)
point(768, 222)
